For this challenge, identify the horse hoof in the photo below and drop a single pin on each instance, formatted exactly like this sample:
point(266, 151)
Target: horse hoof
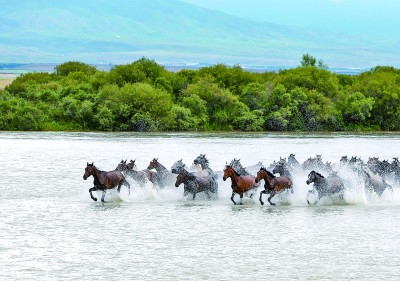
point(273, 204)
point(94, 199)
point(262, 203)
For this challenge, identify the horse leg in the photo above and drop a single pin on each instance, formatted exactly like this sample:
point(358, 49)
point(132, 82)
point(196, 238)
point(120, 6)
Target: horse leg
point(272, 195)
point(125, 182)
point(208, 195)
point(308, 195)
point(102, 197)
point(251, 195)
point(233, 194)
point(261, 193)
point(90, 191)
point(241, 199)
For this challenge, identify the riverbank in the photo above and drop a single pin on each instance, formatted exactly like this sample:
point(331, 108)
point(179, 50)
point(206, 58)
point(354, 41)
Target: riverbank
point(6, 79)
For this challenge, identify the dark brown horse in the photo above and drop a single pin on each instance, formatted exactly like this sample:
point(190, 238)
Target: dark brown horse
point(240, 184)
point(273, 184)
point(194, 184)
point(104, 180)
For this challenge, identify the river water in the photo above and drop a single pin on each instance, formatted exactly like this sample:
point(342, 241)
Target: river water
point(50, 229)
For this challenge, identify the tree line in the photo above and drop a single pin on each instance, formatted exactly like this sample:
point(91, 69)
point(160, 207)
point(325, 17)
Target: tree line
point(144, 96)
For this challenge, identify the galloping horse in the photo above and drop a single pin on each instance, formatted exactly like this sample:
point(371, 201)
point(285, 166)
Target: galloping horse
point(240, 184)
point(165, 177)
point(237, 166)
point(273, 184)
point(324, 186)
point(282, 169)
point(203, 162)
point(141, 177)
point(178, 167)
point(194, 184)
point(104, 180)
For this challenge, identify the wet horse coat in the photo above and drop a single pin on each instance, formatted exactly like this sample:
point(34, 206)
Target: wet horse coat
point(104, 180)
point(165, 177)
point(325, 186)
point(273, 184)
point(194, 184)
point(240, 184)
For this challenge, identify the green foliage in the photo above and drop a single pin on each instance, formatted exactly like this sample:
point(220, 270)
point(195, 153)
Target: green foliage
point(357, 108)
point(143, 96)
point(230, 78)
point(254, 95)
point(310, 78)
point(309, 60)
point(74, 66)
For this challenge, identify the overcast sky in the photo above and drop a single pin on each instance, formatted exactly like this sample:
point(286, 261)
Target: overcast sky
point(359, 17)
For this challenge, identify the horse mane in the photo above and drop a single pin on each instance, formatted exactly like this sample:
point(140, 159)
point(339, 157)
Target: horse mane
point(268, 172)
point(236, 173)
point(318, 174)
point(203, 156)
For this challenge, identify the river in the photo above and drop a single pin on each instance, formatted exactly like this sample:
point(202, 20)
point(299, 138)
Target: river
point(50, 229)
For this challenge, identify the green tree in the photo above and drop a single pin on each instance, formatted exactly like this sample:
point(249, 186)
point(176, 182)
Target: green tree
point(357, 108)
point(74, 66)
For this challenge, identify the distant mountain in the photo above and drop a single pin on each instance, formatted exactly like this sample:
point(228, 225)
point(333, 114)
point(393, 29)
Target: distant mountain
point(168, 31)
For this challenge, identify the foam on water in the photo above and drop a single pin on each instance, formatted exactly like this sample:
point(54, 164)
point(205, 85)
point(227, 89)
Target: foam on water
point(355, 193)
point(52, 230)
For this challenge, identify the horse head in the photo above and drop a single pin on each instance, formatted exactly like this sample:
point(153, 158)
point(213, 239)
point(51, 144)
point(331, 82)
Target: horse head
point(229, 172)
point(121, 166)
point(264, 174)
point(278, 169)
point(313, 176)
point(131, 165)
point(177, 167)
point(89, 170)
point(180, 178)
point(153, 164)
point(201, 160)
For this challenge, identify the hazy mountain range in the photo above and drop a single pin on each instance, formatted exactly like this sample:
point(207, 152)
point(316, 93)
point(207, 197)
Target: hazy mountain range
point(169, 31)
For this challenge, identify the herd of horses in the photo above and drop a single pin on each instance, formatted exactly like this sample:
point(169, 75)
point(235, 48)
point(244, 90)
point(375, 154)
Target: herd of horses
point(199, 177)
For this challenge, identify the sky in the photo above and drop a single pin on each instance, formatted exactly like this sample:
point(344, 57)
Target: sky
point(371, 18)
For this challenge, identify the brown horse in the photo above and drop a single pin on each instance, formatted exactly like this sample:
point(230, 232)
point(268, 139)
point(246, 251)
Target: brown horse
point(273, 184)
point(104, 180)
point(240, 184)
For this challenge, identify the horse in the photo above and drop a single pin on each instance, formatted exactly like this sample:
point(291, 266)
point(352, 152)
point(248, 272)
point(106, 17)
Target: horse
point(273, 184)
point(104, 180)
point(373, 182)
point(313, 163)
point(324, 186)
point(141, 177)
point(240, 184)
point(293, 163)
point(237, 166)
point(203, 162)
point(165, 176)
point(282, 169)
point(178, 167)
point(194, 184)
